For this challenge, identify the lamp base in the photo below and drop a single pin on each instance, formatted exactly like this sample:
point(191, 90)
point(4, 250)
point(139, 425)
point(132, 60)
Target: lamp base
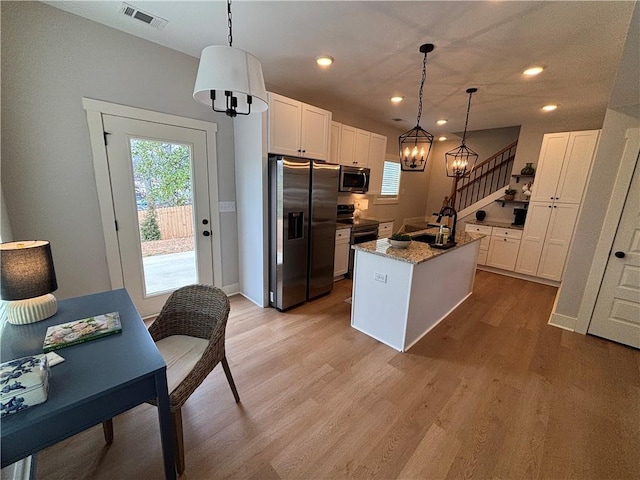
point(31, 310)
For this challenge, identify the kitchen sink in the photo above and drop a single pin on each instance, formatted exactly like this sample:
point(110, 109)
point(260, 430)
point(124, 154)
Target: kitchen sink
point(425, 238)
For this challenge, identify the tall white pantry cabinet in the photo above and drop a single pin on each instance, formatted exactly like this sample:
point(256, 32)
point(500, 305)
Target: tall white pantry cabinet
point(561, 176)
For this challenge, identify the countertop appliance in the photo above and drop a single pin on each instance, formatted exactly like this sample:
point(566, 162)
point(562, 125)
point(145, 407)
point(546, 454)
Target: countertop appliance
point(362, 230)
point(303, 195)
point(354, 179)
point(520, 216)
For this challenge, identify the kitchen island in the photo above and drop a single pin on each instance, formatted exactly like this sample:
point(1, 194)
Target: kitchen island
point(401, 294)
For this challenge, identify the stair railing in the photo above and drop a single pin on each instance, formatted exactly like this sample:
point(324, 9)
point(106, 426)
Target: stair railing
point(489, 176)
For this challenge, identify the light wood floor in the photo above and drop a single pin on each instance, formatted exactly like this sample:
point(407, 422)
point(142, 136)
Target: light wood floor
point(492, 393)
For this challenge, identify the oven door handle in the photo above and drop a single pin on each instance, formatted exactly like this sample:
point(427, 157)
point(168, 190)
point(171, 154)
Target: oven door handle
point(364, 233)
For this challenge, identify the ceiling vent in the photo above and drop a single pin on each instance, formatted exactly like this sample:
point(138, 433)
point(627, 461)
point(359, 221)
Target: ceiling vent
point(146, 17)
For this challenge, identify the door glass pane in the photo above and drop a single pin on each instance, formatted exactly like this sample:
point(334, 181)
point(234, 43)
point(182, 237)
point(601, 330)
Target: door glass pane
point(164, 198)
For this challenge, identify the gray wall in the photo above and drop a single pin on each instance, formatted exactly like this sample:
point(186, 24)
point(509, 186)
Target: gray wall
point(623, 113)
point(484, 142)
point(50, 60)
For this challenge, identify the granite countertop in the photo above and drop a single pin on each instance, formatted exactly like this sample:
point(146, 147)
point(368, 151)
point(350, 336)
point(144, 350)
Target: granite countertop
point(416, 252)
point(378, 219)
point(489, 223)
point(340, 226)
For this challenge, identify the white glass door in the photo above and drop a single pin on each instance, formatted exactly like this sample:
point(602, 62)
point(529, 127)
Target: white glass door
point(159, 183)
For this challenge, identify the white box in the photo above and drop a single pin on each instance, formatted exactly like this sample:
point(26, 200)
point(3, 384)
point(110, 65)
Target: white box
point(24, 382)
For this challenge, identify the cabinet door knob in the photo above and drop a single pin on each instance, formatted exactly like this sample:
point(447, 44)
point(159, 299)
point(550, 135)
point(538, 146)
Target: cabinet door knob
point(206, 233)
point(620, 254)
point(549, 206)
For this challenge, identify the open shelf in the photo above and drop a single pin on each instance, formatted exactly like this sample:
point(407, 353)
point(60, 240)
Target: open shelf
point(517, 176)
point(502, 200)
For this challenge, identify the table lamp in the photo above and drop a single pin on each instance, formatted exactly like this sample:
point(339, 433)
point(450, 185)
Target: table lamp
point(27, 280)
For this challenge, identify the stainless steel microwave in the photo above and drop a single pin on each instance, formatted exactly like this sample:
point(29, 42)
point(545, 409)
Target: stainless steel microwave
point(354, 179)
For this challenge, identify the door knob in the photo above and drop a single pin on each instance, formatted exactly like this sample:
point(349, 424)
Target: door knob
point(206, 233)
point(205, 221)
point(620, 254)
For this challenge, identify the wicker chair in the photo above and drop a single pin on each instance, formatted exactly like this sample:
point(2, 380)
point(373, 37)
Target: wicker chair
point(190, 334)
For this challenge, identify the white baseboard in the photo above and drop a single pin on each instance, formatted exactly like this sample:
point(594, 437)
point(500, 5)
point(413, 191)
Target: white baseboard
point(232, 289)
point(521, 276)
point(562, 321)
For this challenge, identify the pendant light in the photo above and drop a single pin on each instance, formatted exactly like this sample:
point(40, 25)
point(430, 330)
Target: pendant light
point(416, 143)
point(461, 161)
point(230, 80)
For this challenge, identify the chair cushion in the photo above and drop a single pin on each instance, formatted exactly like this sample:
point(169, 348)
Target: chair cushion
point(180, 353)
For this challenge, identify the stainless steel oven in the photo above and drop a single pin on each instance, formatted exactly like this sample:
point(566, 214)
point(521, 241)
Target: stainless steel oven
point(362, 230)
point(354, 179)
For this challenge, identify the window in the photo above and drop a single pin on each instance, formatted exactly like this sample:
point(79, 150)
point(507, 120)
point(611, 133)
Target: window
point(390, 183)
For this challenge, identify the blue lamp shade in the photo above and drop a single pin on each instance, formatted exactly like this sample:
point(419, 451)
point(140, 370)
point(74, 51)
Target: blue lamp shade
point(27, 279)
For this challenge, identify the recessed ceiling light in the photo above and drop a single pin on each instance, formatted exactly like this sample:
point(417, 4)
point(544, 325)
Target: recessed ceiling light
point(397, 99)
point(324, 60)
point(533, 71)
point(549, 108)
point(442, 121)
point(442, 138)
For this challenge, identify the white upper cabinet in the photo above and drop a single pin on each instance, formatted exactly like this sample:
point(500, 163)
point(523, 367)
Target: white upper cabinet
point(581, 149)
point(298, 129)
point(347, 150)
point(334, 145)
point(362, 148)
point(563, 166)
point(377, 152)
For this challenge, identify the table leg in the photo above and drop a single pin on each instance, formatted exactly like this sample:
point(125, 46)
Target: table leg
point(166, 430)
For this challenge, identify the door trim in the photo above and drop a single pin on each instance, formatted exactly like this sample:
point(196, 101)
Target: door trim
point(94, 111)
point(609, 230)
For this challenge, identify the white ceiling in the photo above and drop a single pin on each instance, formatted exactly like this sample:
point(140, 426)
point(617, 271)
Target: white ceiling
point(375, 43)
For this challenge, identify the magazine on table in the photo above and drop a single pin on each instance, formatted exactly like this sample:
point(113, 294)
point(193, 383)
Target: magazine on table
point(80, 331)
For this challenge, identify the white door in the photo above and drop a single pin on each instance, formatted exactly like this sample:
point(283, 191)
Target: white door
point(160, 190)
point(617, 311)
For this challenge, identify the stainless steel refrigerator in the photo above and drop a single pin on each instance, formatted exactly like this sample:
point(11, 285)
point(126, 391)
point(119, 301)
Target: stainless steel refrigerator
point(303, 198)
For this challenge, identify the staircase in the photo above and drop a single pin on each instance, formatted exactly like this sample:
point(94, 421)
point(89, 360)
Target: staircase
point(486, 178)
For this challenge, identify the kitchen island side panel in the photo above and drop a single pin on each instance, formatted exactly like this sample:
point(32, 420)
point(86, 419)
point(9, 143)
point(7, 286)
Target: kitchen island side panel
point(439, 286)
point(379, 308)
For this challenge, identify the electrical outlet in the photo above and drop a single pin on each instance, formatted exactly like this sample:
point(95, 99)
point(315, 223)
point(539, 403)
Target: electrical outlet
point(224, 207)
point(380, 277)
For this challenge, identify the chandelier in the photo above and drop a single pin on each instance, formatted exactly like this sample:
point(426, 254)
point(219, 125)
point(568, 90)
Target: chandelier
point(230, 80)
point(461, 161)
point(416, 143)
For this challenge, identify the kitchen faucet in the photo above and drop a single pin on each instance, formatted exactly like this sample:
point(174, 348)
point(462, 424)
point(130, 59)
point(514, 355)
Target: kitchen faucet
point(449, 212)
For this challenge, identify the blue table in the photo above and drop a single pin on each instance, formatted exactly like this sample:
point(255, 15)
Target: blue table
point(97, 381)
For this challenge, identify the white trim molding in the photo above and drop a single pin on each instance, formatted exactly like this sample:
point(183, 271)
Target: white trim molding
point(95, 109)
point(608, 232)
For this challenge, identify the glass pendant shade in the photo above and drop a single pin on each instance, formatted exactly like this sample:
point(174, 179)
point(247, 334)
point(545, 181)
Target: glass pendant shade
point(415, 145)
point(461, 161)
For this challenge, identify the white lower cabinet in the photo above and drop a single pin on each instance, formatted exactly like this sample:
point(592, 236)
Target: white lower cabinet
point(557, 241)
point(341, 258)
point(484, 243)
point(503, 248)
point(546, 239)
point(385, 230)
